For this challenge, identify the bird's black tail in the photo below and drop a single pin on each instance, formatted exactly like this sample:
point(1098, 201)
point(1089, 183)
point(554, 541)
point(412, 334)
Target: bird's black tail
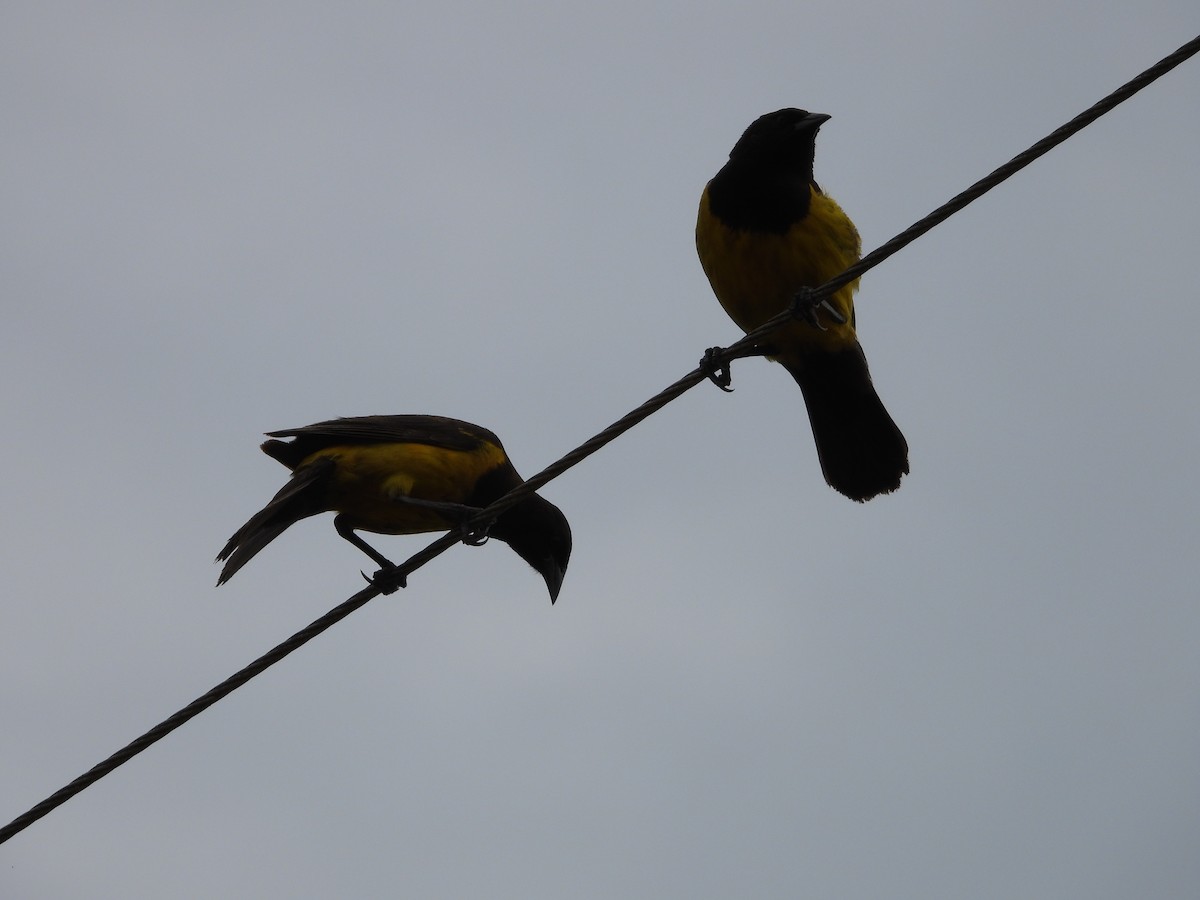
point(298, 499)
point(862, 452)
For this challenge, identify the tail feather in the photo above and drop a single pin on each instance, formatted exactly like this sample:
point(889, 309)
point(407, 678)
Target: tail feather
point(298, 499)
point(861, 450)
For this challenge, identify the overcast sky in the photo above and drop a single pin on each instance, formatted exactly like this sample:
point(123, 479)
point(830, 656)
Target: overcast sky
point(223, 219)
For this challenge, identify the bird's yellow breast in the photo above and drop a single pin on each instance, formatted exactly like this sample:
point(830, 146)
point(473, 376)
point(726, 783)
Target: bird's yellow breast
point(370, 481)
point(756, 274)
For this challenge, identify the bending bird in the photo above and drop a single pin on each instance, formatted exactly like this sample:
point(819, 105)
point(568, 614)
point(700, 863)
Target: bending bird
point(766, 232)
point(401, 475)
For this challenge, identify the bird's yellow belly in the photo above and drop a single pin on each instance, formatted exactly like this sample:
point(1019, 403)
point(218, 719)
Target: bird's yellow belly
point(755, 275)
point(371, 481)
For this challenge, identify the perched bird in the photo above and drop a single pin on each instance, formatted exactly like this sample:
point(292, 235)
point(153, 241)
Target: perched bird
point(765, 232)
point(402, 475)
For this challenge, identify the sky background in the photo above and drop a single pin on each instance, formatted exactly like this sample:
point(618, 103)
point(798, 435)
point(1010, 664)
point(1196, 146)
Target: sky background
point(222, 219)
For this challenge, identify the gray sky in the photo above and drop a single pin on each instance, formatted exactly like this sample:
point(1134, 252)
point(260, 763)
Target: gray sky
point(219, 221)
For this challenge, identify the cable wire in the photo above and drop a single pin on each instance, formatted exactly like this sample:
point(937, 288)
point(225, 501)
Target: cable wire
point(586, 449)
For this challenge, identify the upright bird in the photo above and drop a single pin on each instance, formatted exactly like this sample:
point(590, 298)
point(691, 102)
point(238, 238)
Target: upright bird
point(402, 475)
point(765, 232)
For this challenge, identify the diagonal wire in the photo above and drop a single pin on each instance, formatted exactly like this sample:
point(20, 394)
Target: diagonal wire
point(619, 427)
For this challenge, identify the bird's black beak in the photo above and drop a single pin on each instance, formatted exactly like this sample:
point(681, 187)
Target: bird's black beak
point(554, 579)
point(812, 121)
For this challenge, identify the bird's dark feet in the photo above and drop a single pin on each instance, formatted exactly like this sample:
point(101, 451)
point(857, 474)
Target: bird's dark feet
point(388, 580)
point(715, 362)
point(475, 535)
point(715, 367)
point(806, 308)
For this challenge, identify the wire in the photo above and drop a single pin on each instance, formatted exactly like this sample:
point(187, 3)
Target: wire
point(586, 449)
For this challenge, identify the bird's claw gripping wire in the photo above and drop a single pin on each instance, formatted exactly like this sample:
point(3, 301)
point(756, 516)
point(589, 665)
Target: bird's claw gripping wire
point(387, 580)
point(715, 362)
point(806, 308)
point(715, 366)
point(475, 535)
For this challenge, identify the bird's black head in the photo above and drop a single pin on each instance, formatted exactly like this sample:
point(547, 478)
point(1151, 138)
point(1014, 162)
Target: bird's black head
point(538, 531)
point(768, 182)
point(783, 136)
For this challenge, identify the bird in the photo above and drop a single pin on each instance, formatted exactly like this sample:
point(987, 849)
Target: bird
point(765, 233)
point(402, 474)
